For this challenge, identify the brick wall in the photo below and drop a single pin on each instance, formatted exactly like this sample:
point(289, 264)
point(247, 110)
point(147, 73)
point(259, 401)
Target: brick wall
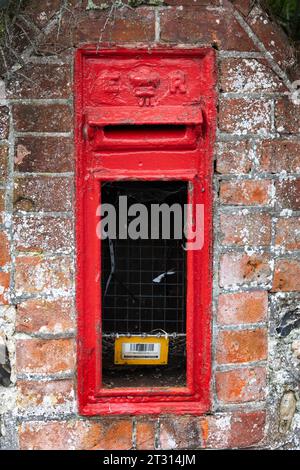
point(256, 350)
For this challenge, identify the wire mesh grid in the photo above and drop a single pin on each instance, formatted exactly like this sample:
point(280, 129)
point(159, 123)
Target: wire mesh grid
point(133, 301)
point(146, 289)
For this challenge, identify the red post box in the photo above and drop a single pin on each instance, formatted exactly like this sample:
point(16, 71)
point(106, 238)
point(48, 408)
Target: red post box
point(145, 129)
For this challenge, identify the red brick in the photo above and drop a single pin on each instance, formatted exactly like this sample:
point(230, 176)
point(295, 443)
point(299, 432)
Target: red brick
point(286, 275)
point(280, 155)
point(241, 346)
point(42, 12)
point(34, 275)
point(116, 435)
point(241, 385)
point(240, 268)
point(287, 234)
point(4, 122)
point(48, 356)
point(234, 157)
point(245, 229)
point(179, 433)
point(42, 117)
point(202, 25)
point(145, 434)
point(2, 205)
point(76, 435)
point(43, 193)
point(193, 3)
point(44, 154)
point(45, 316)
point(40, 81)
point(288, 194)
point(247, 429)
point(41, 396)
point(246, 192)
point(287, 116)
point(60, 435)
point(244, 6)
point(4, 288)
point(4, 249)
point(3, 162)
point(245, 116)
point(43, 234)
point(248, 76)
point(242, 307)
point(215, 431)
point(272, 36)
point(233, 430)
point(126, 25)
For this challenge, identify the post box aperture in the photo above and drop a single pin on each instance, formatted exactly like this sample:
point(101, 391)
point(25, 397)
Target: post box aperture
point(145, 132)
point(144, 285)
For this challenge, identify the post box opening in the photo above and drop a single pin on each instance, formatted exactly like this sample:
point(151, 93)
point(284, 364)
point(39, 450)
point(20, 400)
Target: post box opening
point(144, 285)
point(145, 131)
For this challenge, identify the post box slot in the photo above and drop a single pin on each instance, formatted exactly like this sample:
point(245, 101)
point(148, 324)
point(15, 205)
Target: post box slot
point(145, 131)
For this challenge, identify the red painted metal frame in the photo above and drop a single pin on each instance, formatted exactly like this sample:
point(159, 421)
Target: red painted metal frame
point(193, 165)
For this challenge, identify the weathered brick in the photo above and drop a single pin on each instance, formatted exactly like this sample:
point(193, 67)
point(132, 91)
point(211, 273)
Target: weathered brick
point(76, 435)
point(2, 205)
point(4, 249)
point(41, 12)
point(247, 429)
point(234, 157)
point(126, 25)
point(246, 192)
point(286, 275)
point(43, 234)
point(4, 287)
point(42, 117)
point(137, 25)
point(202, 25)
point(248, 76)
point(43, 396)
point(43, 193)
point(48, 356)
point(245, 229)
point(179, 433)
point(245, 116)
point(45, 316)
point(240, 269)
point(280, 155)
point(244, 6)
point(272, 36)
point(44, 154)
point(34, 275)
point(4, 122)
point(3, 162)
point(288, 194)
point(59, 435)
point(241, 385)
point(233, 430)
point(287, 233)
point(40, 81)
point(241, 346)
point(145, 434)
point(242, 307)
point(287, 116)
point(193, 3)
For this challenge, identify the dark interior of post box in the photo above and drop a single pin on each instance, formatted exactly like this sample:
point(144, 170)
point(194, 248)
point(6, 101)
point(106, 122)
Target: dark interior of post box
point(137, 296)
point(144, 131)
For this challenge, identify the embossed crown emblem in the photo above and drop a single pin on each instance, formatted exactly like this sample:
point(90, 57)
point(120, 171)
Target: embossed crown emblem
point(144, 82)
